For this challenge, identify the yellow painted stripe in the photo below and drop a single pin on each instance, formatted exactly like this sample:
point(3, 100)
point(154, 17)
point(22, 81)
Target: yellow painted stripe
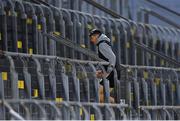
point(173, 87)
point(113, 38)
point(4, 76)
point(157, 81)
point(29, 21)
point(145, 74)
point(39, 27)
point(127, 45)
point(57, 33)
point(59, 100)
point(30, 51)
point(92, 117)
point(19, 44)
point(36, 93)
point(81, 112)
point(162, 62)
point(21, 84)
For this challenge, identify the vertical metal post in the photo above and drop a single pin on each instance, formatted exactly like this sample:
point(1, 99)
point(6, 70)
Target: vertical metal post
point(136, 92)
point(83, 19)
point(153, 94)
point(23, 26)
point(27, 78)
point(144, 54)
point(76, 88)
point(13, 18)
point(14, 79)
point(146, 18)
point(30, 11)
point(87, 30)
point(2, 109)
point(52, 78)
point(68, 30)
point(3, 19)
point(50, 25)
point(133, 37)
point(1, 87)
point(42, 40)
point(76, 32)
point(40, 78)
point(95, 83)
point(59, 27)
point(154, 44)
point(139, 15)
point(86, 83)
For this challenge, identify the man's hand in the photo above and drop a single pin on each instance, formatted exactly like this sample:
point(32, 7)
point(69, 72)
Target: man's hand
point(100, 74)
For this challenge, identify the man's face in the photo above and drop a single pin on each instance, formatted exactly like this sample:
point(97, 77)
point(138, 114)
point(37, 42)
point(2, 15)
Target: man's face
point(94, 38)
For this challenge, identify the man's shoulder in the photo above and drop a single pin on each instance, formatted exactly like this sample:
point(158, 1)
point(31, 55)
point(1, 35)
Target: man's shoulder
point(105, 42)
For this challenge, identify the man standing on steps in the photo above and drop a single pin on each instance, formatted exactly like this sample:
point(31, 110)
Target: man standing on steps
point(105, 52)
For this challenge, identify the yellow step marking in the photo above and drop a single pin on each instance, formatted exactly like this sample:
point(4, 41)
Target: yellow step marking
point(19, 44)
point(21, 84)
point(127, 45)
point(29, 21)
point(39, 27)
point(92, 117)
point(30, 51)
point(81, 112)
point(36, 93)
point(145, 74)
point(59, 100)
point(4, 76)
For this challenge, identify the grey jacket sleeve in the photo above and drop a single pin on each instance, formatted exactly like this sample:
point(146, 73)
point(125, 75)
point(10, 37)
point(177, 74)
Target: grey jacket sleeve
point(106, 50)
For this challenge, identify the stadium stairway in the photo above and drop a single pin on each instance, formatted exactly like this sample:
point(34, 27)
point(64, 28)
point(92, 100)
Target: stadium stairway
point(48, 66)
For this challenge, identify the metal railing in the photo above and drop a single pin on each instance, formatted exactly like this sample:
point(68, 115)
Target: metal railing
point(145, 86)
point(33, 69)
point(161, 17)
point(57, 79)
point(75, 26)
point(58, 109)
point(163, 7)
point(163, 13)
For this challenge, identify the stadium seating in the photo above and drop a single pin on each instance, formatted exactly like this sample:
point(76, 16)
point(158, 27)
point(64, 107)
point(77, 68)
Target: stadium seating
point(42, 79)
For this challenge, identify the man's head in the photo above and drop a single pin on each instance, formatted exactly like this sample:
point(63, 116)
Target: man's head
point(94, 34)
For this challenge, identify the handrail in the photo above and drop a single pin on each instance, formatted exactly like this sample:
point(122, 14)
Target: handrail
point(92, 54)
point(163, 7)
point(165, 19)
point(68, 102)
point(83, 61)
point(93, 3)
point(159, 107)
point(52, 57)
point(40, 2)
point(104, 9)
point(73, 45)
point(167, 58)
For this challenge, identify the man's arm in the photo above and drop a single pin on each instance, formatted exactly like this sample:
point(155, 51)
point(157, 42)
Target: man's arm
point(106, 50)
